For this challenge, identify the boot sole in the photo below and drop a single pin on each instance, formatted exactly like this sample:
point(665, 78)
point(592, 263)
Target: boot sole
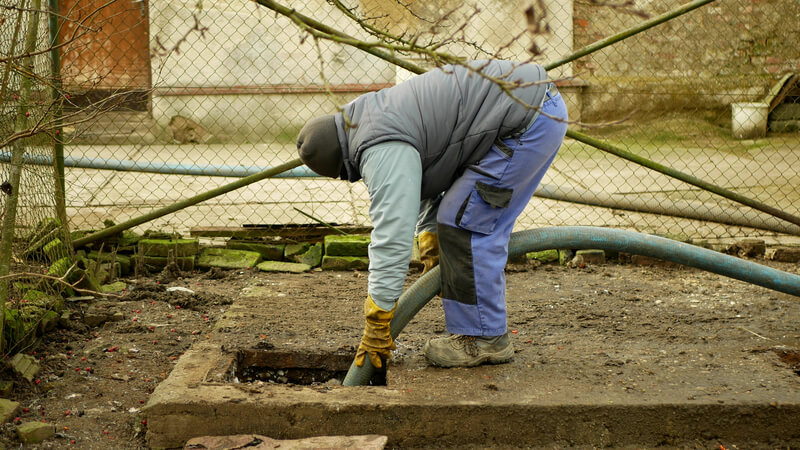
point(501, 357)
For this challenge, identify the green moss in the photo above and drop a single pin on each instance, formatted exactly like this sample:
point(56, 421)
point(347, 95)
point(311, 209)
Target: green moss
point(352, 245)
point(228, 259)
point(163, 247)
point(60, 267)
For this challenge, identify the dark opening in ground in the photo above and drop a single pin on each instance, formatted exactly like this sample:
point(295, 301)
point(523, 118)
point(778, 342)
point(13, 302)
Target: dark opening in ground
point(296, 367)
point(789, 357)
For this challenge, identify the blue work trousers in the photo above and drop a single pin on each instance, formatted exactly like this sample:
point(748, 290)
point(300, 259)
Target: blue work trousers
point(477, 214)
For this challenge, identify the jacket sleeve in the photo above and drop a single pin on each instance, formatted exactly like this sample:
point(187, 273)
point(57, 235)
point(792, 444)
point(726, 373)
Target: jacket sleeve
point(392, 172)
point(428, 210)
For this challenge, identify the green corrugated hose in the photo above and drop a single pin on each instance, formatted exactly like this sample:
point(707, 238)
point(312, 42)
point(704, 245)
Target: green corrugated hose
point(522, 242)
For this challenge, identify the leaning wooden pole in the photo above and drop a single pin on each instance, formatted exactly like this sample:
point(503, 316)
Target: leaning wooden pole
point(110, 231)
point(596, 143)
point(685, 177)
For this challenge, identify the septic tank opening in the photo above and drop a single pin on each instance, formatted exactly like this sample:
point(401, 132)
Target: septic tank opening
point(296, 367)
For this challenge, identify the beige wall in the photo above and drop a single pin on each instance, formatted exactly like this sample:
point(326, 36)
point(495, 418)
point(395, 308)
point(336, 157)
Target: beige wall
point(219, 81)
point(237, 81)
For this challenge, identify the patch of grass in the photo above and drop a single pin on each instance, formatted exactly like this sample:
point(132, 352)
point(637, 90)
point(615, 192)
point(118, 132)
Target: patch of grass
point(709, 131)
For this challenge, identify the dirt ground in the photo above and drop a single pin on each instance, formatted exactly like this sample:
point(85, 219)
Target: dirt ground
point(617, 327)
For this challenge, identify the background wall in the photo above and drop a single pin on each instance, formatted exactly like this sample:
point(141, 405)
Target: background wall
point(727, 51)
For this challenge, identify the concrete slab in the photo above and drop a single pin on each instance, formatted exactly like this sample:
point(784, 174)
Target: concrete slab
point(608, 356)
point(520, 413)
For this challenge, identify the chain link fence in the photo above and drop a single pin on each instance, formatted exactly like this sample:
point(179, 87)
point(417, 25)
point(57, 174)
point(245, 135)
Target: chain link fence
point(30, 184)
point(166, 100)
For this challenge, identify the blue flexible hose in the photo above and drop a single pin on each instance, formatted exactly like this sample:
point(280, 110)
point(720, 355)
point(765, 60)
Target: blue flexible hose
point(522, 242)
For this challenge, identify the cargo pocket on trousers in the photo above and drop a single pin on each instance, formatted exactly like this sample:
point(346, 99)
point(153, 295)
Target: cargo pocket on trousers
point(483, 207)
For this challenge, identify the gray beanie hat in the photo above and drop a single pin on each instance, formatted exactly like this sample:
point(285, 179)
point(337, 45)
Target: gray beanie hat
point(318, 146)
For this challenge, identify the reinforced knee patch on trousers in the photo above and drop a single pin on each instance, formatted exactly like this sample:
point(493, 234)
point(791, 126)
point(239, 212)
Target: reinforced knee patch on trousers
point(455, 262)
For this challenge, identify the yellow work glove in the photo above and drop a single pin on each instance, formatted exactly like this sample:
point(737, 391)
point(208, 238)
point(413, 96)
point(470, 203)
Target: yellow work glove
point(428, 250)
point(377, 342)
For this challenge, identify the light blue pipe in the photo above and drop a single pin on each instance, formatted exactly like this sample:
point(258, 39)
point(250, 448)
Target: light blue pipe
point(569, 194)
point(166, 168)
point(523, 242)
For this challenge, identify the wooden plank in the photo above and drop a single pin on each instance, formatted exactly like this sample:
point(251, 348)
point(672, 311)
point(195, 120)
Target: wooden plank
point(780, 90)
point(284, 232)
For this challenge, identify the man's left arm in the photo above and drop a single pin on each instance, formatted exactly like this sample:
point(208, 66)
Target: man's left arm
point(393, 174)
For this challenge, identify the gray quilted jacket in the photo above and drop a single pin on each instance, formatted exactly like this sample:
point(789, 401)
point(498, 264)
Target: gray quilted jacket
point(450, 115)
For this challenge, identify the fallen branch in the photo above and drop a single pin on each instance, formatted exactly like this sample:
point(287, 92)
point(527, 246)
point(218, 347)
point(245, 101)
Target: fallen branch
point(61, 280)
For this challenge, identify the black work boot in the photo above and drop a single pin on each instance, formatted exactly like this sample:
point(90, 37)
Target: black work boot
point(468, 351)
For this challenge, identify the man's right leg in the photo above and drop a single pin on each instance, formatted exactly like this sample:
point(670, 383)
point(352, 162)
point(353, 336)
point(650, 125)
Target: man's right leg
point(475, 220)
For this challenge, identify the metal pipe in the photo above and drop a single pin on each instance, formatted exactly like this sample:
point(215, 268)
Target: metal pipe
point(685, 177)
point(166, 168)
point(694, 210)
point(688, 210)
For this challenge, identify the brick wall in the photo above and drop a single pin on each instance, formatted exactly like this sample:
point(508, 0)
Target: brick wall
point(725, 51)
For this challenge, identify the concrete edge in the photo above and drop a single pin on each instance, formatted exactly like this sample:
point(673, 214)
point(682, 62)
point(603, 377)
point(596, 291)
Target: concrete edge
point(194, 401)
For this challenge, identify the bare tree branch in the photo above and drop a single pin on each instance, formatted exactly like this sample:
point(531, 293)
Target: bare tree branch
point(60, 280)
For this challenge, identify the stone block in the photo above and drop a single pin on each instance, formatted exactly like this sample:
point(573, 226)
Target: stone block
point(642, 260)
point(153, 234)
point(94, 317)
point(783, 254)
point(25, 366)
point(124, 261)
point(48, 321)
point(101, 272)
point(129, 238)
point(163, 247)
point(565, 256)
point(268, 252)
point(292, 250)
point(344, 263)
point(60, 267)
point(117, 286)
point(352, 245)
point(156, 263)
point(281, 266)
point(6, 386)
point(592, 256)
point(47, 230)
point(36, 297)
point(312, 257)
point(35, 432)
point(125, 266)
point(749, 248)
point(544, 256)
point(54, 250)
point(228, 258)
point(8, 408)
point(64, 319)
